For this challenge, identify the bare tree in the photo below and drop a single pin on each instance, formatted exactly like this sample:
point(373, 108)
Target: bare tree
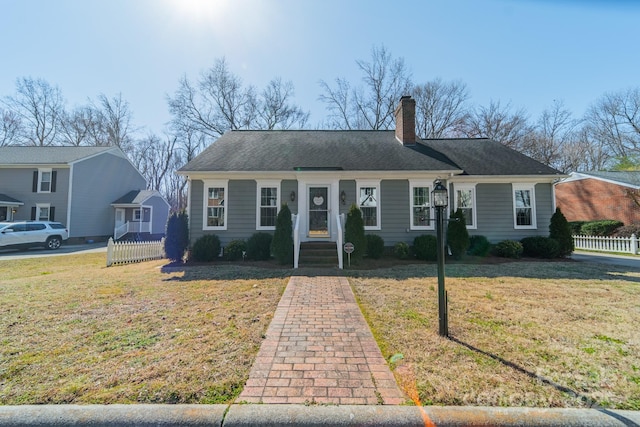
point(219, 102)
point(39, 107)
point(76, 125)
point(372, 106)
point(500, 124)
point(276, 111)
point(441, 109)
point(154, 158)
point(10, 127)
point(115, 121)
point(583, 154)
point(554, 130)
point(614, 119)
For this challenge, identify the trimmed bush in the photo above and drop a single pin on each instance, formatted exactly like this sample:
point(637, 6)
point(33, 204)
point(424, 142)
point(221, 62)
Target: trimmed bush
point(206, 248)
point(354, 233)
point(426, 247)
point(576, 227)
point(479, 246)
point(259, 246)
point(508, 249)
point(627, 231)
point(457, 234)
point(375, 246)
point(540, 247)
point(560, 231)
point(176, 239)
point(600, 228)
point(233, 251)
point(282, 243)
point(401, 250)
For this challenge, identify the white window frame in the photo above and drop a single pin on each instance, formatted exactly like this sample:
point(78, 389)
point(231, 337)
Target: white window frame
point(41, 172)
point(532, 190)
point(266, 184)
point(472, 188)
point(417, 184)
point(137, 215)
point(39, 208)
point(376, 184)
point(205, 203)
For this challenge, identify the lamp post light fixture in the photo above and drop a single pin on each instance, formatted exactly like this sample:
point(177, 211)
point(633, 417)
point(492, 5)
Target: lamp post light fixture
point(440, 201)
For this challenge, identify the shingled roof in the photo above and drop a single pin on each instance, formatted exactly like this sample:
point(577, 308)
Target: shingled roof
point(287, 150)
point(18, 155)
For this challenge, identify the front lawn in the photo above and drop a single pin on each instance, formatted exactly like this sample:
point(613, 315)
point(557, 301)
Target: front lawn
point(523, 333)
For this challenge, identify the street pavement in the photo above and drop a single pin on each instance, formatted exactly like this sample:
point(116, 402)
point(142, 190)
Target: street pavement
point(611, 259)
point(10, 254)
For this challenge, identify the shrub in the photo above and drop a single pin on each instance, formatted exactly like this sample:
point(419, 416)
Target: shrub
point(177, 236)
point(259, 246)
point(233, 251)
point(401, 250)
point(508, 249)
point(600, 228)
point(457, 234)
point(426, 247)
point(282, 244)
point(560, 231)
point(206, 248)
point(540, 247)
point(479, 246)
point(627, 231)
point(576, 227)
point(375, 246)
point(354, 233)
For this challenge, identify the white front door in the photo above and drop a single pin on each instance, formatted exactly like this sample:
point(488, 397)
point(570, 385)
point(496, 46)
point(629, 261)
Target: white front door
point(119, 217)
point(318, 210)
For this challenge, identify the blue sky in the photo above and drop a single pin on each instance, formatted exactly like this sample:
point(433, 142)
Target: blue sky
point(526, 52)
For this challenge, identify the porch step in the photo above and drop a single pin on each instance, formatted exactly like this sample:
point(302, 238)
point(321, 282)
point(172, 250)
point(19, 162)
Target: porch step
point(314, 254)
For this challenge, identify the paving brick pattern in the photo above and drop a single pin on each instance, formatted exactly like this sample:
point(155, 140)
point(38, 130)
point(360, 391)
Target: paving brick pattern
point(319, 349)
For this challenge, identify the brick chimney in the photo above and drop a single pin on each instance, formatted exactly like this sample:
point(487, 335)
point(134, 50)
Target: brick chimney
point(406, 120)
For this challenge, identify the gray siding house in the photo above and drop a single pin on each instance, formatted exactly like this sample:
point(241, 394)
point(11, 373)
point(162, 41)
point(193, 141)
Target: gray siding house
point(79, 187)
point(237, 184)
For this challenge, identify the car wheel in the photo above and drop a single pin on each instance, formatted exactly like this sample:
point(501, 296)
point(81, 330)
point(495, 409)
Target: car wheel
point(53, 242)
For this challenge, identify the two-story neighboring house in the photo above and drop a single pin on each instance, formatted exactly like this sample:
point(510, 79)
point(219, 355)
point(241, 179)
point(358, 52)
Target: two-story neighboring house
point(238, 184)
point(96, 191)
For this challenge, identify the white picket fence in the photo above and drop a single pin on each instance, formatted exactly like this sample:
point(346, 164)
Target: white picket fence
point(128, 252)
point(607, 244)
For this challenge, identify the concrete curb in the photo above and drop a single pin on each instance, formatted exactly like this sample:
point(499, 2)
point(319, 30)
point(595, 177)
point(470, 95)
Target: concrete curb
point(308, 416)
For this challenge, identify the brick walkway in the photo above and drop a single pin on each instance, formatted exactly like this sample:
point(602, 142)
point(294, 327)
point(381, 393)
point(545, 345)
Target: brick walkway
point(319, 349)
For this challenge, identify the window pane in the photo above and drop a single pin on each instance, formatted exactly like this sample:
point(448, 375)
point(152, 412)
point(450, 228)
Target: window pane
point(368, 197)
point(468, 215)
point(44, 214)
point(215, 207)
point(268, 216)
point(215, 217)
point(464, 199)
point(369, 216)
point(421, 196)
point(269, 196)
point(523, 199)
point(45, 181)
point(421, 216)
point(523, 216)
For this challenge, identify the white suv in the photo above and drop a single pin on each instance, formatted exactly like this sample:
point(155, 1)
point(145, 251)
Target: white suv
point(26, 234)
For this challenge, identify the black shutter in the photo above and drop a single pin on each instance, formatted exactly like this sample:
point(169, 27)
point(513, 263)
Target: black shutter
point(33, 213)
point(54, 175)
point(34, 186)
point(52, 213)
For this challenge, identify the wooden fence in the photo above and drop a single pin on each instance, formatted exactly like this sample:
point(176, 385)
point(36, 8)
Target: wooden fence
point(128, 252)
point(607, 244)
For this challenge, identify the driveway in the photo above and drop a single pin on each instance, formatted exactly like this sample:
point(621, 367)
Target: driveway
point(620, 260)
point(9, 254)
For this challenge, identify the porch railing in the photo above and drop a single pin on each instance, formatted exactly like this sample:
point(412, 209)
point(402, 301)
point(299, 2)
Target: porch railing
point(340, 226)
point(128, 252)
point(607, 244)
point(295, 218)
point(131, 227)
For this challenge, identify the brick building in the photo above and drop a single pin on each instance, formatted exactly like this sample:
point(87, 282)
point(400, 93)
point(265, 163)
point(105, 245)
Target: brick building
point(588, 196)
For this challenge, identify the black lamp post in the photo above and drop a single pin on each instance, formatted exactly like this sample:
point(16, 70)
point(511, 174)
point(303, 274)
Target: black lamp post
point(440, 201)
